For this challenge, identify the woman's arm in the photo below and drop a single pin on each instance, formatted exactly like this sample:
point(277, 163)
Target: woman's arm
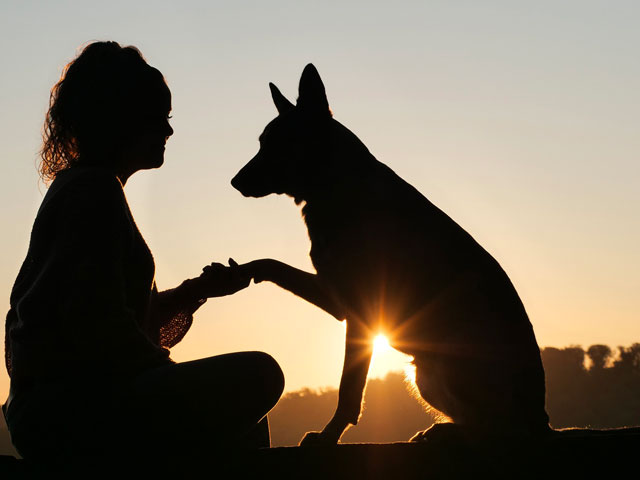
point(172, 310)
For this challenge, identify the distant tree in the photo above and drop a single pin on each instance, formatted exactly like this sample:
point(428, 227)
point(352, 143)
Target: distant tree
point(629, 358)
point(565, 378)
point(565, 361)
point(600, 355)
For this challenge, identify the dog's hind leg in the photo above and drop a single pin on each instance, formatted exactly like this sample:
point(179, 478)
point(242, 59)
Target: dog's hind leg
point(482, 397)
point(431, 380)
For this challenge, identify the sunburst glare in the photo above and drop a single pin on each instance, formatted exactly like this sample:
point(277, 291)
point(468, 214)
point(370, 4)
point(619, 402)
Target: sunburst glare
point(386, 359)
point(381, 345)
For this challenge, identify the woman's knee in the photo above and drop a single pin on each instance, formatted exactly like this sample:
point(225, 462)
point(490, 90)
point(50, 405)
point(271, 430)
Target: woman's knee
point(268, 377)
point(254, 377)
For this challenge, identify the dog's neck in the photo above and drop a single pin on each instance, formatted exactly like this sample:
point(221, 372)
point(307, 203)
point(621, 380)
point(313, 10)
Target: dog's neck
point(333, 203)
point(350, 164)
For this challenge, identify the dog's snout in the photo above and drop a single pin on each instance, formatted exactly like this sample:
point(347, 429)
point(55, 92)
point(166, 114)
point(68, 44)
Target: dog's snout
point(251, 179)
point(235, 183)
point(241, 180)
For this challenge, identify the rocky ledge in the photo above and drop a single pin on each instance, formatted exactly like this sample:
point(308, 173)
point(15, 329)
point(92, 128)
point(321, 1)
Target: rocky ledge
point(574, 455)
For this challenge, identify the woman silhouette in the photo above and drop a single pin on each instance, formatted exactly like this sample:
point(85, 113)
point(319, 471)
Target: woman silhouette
point(87, 332)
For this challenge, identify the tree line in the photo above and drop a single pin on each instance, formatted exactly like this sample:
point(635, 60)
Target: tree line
point(598, 388)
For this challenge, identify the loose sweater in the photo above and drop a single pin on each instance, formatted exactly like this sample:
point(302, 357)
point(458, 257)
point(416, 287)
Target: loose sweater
point(85, 300)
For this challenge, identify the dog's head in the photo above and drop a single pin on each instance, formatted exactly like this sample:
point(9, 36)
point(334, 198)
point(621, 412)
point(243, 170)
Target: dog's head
point(297, 147)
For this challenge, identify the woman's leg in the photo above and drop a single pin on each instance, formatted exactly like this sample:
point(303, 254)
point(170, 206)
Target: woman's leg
point(204, 403)
point(184, 408)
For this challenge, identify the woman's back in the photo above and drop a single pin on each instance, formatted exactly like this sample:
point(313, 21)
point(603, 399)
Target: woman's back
point(86, 280)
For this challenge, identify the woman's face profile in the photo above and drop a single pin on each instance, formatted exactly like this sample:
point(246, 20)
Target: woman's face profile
point(110, 108)
point(149, 132)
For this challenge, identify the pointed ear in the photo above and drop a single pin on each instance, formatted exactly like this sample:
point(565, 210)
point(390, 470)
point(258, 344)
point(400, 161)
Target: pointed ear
point(311, 94)
point(282, 104)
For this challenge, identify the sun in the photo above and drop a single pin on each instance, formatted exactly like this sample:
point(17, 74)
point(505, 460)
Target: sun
point(386, 358)
point(381, 345)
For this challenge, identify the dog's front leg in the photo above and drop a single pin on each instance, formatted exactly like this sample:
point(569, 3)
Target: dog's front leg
point(303, 284)
point(357, 357)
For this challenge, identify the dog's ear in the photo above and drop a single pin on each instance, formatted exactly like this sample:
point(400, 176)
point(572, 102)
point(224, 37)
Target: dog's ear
point(282, 104)
point(311, 94)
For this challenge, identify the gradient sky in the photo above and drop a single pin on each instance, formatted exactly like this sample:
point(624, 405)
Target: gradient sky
point(519, 119)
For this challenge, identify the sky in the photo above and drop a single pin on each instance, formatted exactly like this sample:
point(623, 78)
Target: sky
point(519, 119)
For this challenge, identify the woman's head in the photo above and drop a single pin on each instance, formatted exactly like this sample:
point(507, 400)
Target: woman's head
point(109, 108)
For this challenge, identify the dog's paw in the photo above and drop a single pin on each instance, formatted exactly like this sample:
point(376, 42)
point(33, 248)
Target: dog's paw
point(440, 433)
point(419, 437)
point(257, 270)
point(317, 438)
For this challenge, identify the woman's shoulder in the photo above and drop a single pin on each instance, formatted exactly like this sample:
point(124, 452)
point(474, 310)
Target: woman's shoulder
point(89, 182)
point(81, 189)
point(91, 178)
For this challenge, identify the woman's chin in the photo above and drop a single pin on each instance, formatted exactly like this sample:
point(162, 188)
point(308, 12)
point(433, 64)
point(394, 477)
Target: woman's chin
point(155, 162)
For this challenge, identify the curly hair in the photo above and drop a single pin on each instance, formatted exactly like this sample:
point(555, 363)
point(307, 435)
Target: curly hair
point(92, 108)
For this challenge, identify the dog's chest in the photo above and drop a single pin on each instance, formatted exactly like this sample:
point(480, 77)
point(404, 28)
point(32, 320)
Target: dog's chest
point(325, 251)
point(330, 235)
point(320, 251)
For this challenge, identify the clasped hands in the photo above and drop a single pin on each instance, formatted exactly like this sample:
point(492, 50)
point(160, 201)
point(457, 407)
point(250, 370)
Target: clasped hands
point(218, 280)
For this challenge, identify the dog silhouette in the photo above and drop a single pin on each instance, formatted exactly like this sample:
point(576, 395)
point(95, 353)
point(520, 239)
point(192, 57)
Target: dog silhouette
point(390, 261)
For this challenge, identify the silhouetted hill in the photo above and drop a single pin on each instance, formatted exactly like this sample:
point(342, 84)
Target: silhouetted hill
point(390, 413)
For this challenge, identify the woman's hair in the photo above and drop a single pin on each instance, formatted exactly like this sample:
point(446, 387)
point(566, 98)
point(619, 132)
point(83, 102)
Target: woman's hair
point(94, 107)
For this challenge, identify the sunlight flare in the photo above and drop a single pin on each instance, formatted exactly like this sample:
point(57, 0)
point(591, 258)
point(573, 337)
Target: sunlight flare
point(381, 345)
point(386, 358)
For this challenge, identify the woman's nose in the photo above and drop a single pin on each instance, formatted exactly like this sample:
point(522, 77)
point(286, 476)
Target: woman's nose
point(168, 131)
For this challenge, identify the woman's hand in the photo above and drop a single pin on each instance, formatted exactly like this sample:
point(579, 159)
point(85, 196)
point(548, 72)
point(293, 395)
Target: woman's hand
point(218, 280)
